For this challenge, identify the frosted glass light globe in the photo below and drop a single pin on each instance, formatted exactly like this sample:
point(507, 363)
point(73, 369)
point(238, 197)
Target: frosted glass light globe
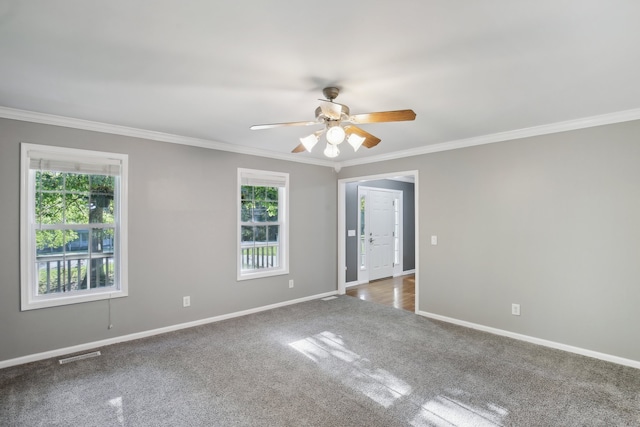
point(335, 135)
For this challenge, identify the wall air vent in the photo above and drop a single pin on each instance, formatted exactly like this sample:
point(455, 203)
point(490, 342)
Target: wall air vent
point(79, 357)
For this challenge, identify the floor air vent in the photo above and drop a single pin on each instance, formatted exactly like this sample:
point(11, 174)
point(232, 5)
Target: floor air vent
point(79, 357)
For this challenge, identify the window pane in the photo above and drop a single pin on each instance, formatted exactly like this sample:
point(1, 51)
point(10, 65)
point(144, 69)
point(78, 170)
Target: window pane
point(77, 182)
point(260, 234)
point(246, 211)
point(271, 209)
point(76, 208)
point(362, 212)
point(52, 276)
point(246, 192)
point(102, 184)
point(272, 233)
point(101, 209)
point(247, 234)
point(49, 208)
point(101, 272)
point(246, 247)
point(108, 240)
point(97, 236)
point(260, 193)
point(260, 212)
point(49, 181)
point(75, 270)
point(272, 258)
point(78, 241)
point(272, 194)
point(49, 242)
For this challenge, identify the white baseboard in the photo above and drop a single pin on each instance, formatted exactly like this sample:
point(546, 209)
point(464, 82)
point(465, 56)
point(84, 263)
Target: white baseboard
point(364, 282)
point(123, 338)
point(405, 273)
point(534, 340)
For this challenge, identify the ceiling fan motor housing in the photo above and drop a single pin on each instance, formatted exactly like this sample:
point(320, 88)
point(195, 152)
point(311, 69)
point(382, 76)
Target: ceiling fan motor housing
point(330, 93)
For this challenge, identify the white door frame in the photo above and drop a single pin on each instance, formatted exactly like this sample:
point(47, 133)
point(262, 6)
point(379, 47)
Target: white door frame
point(342, 227)
point(363, 190)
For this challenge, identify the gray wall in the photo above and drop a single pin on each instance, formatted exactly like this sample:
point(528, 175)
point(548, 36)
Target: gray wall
point(182, 240)
point(352, 209)
point(549, 222)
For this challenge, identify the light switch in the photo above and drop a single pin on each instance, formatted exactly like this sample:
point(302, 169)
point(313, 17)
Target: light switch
point(434, 240)
point(351, 233)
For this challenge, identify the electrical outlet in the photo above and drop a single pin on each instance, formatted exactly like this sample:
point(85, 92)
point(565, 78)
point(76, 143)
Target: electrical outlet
point(186, 301)
point(515, 309)
point(291, 283)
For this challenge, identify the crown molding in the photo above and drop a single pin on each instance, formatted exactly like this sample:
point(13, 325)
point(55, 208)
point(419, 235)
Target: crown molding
point(583, 123)
point(50, 119)
point(587, 122)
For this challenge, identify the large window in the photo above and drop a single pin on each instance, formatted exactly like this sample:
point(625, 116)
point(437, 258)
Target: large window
point(262, 223)
point(73, 226)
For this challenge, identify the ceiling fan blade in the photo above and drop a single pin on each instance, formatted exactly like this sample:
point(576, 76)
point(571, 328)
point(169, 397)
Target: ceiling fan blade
point(276, 125)
point(333, 110)
point(370, 140)
point(299, 149)
point(383, 116)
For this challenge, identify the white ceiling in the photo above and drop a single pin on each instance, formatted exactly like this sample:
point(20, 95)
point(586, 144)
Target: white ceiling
point(210, 69)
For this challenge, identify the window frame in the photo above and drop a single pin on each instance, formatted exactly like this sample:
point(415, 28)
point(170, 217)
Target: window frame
point(29, 298)
point(283, 222)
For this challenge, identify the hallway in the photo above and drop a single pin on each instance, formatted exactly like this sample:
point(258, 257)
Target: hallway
point(398, 292)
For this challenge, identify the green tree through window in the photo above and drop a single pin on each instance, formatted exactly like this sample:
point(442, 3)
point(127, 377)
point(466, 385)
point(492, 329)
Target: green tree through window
point(260, 228)
point(262, 223)
point(78, 211)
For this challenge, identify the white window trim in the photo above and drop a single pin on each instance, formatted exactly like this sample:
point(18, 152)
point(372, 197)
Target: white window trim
point(28, 298)
point(283, 213)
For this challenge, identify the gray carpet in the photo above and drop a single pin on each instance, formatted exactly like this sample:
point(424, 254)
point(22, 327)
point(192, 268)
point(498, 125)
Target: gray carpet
point(343, 362)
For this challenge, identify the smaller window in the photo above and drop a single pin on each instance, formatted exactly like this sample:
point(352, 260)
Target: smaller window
point(262, 224)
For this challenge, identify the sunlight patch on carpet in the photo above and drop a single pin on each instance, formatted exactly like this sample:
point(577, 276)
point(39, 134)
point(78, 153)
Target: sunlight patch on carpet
point(328, 349)
point(117, 405)
point(446, 411)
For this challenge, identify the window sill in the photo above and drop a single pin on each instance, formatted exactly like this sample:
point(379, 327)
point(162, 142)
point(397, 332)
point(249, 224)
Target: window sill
point(261, 274)
point(35, 303)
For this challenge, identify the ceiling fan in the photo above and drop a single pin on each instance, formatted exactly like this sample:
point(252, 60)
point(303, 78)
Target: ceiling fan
point(339, 125)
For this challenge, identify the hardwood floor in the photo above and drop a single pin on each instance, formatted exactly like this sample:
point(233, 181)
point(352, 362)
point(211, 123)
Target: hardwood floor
point(398, 292)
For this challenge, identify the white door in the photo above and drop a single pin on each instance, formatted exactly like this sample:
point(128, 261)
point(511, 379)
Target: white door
point(381, 226)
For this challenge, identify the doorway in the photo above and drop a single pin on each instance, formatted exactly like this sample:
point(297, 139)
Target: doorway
point(351, 236)
point(396, 292)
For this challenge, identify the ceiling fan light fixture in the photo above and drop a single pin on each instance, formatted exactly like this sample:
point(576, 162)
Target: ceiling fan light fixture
point(355, 141)
point(339, 124)
point(331, 151)
point(309, 141)
point(335, 134)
